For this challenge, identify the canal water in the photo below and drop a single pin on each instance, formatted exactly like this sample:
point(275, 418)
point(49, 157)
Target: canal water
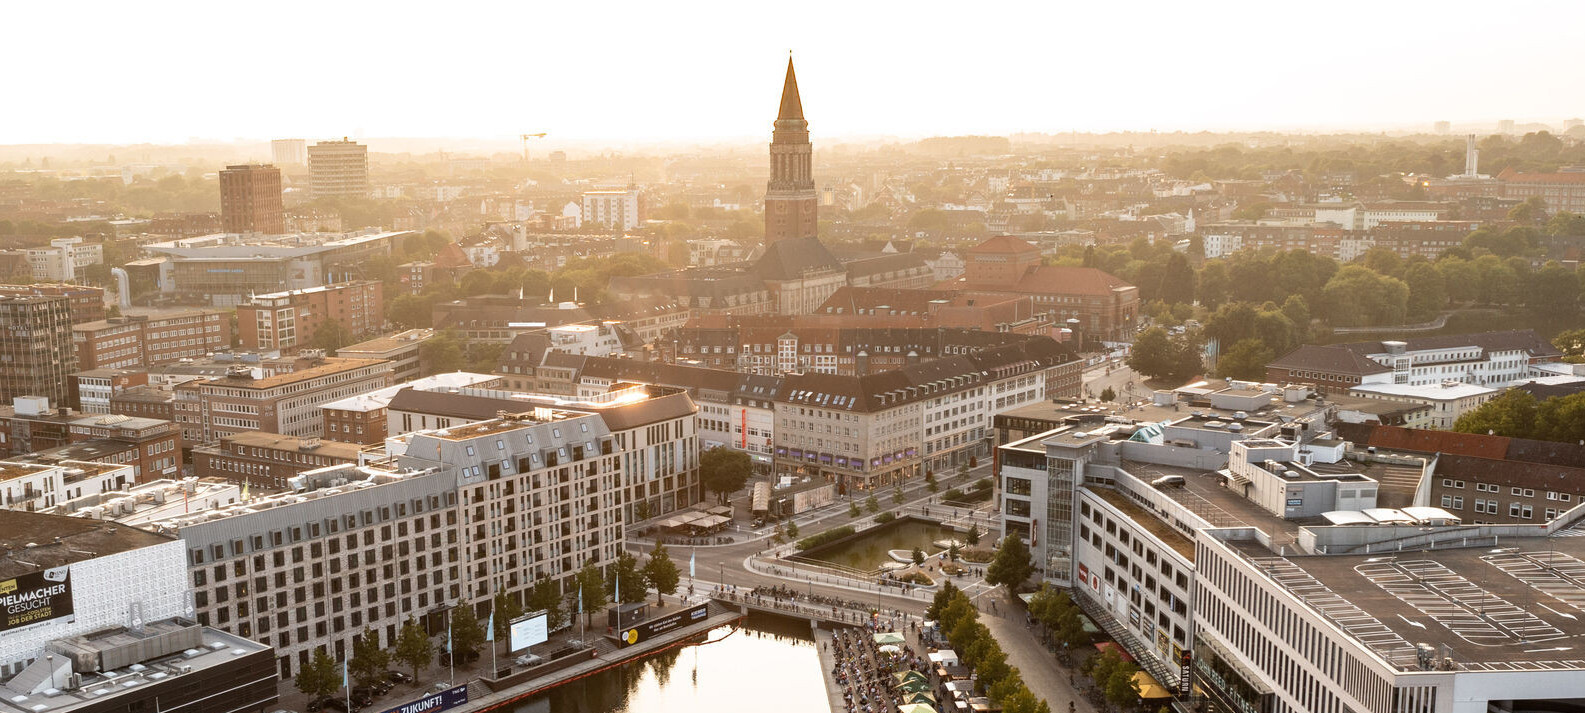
point(869, 552)
point(767, 666)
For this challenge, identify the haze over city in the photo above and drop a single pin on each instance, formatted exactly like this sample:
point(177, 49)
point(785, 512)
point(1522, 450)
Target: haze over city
point(792, 358)
point(690, 72)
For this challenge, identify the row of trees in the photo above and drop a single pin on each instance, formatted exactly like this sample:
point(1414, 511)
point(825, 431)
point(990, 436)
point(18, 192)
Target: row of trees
point(587, 591)
point(978, 649)
point(1059, 615)
point(586, 278)
point(1518, 414)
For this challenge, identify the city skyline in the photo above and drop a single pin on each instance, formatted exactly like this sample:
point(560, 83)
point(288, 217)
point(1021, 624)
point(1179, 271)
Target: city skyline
point(871, 72)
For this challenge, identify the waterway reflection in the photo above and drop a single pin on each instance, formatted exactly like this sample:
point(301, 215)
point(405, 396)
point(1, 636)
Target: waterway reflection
point(768, 666)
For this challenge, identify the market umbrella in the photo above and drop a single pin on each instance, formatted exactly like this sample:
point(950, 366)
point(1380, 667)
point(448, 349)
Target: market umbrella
point(890, 649)
point(914, 686)
point(889, 637)
point(1148, 688)
point(916, 708)
point(909, 676)
point(920, 697)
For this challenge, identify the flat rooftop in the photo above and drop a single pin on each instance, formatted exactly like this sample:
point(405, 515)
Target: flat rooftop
point(1148, 520)
point(217, 647)
point(1509, 608)
point(1203, 495)
point(30, 538)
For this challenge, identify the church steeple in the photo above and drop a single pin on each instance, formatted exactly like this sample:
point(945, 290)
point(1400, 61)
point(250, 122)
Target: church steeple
point(791, 207)
point(791, 106)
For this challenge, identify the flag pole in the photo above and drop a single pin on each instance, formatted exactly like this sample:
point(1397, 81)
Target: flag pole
point(451, 650)
point(493, 668)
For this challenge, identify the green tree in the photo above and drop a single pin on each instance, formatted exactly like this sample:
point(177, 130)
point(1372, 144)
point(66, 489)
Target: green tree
point(590, 592)
point(1247, 359)
point(547, 596)
point(973, 537)
point(368, 663)
point(919, 556)
point(897, 495)
point(1012, 565)
point(466, 633)
point(1572, 344)
point(1555, 290)
point(952, 552)
point(441, 354)
point(1359, 296)
point(330, 336)
point(1011, 683)
point(853, 509)
point(1561, 419)
point(1151, 354)
point(1513, 415)
point(413, 647)
point(1427, 290)
point(724, 471)
point(792, 529)
point(871, 504)
point(662, 573)
point(930, 481)
point(505, 609)
point(943, 596)
point(627, 574)
point(1108, 394)
point(1024, 701)
point(320, 677)
point(1120, 687)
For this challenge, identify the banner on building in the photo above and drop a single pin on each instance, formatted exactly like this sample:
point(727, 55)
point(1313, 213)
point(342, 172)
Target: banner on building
point(36, 597)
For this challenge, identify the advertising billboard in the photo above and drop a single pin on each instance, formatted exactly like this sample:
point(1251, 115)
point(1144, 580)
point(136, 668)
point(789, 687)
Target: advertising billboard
point(36, 597)
point(529, 630)
point(650, 629)
point(434, 702)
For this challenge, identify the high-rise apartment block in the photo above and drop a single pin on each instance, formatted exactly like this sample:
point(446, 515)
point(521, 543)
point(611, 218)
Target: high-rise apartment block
point(616, 208)
point(289, 152)
point(338, 169)
point(289, 320)
point(250, 199)
point(36, 354)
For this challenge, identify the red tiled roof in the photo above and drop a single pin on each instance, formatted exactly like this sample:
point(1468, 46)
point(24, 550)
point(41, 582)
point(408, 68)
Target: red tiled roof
point(1512, 176)
point(1049, 280)
point(1423, 441)
point(1004, 244)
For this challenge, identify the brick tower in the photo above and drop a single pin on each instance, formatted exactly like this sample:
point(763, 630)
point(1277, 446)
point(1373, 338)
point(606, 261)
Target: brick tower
point(791, 207)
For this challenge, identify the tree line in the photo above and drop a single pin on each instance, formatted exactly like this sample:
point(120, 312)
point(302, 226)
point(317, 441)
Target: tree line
point(588, 591)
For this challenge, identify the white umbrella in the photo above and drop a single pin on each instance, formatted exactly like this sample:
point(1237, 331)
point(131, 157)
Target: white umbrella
point(889, 649)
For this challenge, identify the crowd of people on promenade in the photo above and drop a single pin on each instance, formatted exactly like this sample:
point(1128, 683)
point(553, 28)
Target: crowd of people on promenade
point(865, 673)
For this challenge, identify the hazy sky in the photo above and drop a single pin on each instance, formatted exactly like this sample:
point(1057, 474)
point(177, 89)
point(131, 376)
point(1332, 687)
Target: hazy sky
point(167, 71)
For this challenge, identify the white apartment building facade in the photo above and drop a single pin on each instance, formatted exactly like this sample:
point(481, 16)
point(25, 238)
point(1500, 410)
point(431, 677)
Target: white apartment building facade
point(63, 259)
point(616, 208)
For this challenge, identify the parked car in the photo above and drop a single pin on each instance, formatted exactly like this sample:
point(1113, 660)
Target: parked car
point(363, 695)
point(315, 706)
point(398, 677)
point(340, 704)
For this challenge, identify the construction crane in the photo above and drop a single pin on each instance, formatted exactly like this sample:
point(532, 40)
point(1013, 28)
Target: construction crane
point(525, 138)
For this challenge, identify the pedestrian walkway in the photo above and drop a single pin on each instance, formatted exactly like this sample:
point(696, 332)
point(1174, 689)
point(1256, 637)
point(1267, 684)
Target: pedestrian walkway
point(828, 663)
point(1042, 672)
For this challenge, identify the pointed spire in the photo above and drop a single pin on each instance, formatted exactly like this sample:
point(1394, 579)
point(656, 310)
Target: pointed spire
point(791, 106)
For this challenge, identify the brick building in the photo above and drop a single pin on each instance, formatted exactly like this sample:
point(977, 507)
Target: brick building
point(267, 460)
point(288, 320)
point(286, 403)
point(149, 337)
point(152, 447)
point(250, 199)
point(1107, 308)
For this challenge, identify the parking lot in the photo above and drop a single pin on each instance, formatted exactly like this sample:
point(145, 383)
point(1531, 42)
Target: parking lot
point(1466, 609)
